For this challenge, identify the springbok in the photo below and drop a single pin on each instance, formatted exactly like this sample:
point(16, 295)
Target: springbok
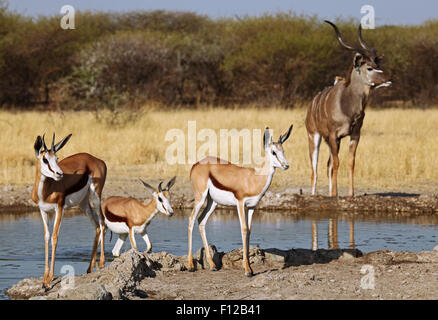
point(77, 180)
point(219, 182)
point(125, 216)
point(339, 110)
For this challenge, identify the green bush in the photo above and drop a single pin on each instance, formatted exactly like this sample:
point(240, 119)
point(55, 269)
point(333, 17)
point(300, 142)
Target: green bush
point(112, 60)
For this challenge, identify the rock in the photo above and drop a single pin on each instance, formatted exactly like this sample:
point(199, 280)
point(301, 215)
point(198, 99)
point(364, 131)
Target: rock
point(234, 258)
point(130, 268)
point(200, 259)
point(115, 281)
point(167, 262)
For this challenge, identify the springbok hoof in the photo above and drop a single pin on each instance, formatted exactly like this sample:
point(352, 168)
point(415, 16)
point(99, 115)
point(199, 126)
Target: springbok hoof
point(214, 269)
point(249, 275)
point(191, 270)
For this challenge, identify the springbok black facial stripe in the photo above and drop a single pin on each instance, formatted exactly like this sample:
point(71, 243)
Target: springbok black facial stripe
point(48, 165)
point(275, 154)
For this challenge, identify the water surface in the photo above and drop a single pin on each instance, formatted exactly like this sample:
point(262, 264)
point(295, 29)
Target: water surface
point(22, 254)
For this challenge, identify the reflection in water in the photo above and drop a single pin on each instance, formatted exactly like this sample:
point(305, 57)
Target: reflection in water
point(332, 235)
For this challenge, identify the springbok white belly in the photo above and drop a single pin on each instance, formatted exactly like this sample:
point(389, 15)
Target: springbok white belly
point(222, 197)
point(122, 227)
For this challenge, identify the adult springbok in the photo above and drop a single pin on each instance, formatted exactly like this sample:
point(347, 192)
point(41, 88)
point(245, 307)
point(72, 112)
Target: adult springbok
point(77, 180)
point(217, 181)
point(125, 216)
point(339, 110)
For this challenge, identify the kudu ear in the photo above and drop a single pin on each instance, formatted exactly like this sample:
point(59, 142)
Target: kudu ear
point(38, 145)
point(358, 60)
point(170, 183)
point(267, 138)
point(283, 138)
point(147, 186)
point(60, 144)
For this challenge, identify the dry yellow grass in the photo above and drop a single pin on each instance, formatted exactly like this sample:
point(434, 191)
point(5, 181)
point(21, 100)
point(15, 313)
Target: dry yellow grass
point(398, 147)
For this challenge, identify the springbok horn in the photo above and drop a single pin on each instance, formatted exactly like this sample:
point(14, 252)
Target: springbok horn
point(160, 189)
point(170, 183)
point(286, 135)
point(53, 143)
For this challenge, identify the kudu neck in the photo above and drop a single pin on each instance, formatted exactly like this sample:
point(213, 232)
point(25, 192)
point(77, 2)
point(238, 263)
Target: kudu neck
point(357, 90)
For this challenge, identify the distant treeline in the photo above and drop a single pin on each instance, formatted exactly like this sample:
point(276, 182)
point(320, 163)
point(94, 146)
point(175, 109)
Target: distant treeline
point(180, 58)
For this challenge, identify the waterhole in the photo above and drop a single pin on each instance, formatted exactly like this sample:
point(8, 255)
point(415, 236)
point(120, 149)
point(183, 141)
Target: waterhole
point(22, 246)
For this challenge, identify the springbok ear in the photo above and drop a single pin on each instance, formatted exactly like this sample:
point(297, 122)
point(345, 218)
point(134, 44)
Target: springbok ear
point(358, 60)
point(44, 143)
point(286, 136)
point(61, 143)
point(170, 183)
point(38, 145)
point(147, 186)
point(267, 138)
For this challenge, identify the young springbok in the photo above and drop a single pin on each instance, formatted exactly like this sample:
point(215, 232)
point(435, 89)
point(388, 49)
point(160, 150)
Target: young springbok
point(77, 180)
point(125, 216)
point(221, 182)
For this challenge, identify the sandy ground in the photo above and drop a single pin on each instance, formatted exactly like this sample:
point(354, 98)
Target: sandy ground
point(279, 275)
point(416, 200)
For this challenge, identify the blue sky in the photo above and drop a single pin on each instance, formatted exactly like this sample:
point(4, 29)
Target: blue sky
point(386, 11)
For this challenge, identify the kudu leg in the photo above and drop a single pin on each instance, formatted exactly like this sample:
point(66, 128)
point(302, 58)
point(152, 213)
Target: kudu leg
point(353, 147)
point(314, 144)
point(334, 144)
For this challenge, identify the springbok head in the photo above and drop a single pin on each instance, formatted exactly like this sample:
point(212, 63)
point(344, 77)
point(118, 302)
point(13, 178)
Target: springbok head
point(275, 150)
point(366, 62)
point(162, 196)
point(47, 157)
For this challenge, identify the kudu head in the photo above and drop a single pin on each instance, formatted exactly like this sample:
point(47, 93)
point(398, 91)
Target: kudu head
point(162, 196)
point(47, 157)
point(366, 62)
point(274, 150)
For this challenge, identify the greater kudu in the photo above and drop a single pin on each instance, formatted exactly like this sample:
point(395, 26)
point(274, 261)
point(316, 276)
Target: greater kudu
point(339, 110)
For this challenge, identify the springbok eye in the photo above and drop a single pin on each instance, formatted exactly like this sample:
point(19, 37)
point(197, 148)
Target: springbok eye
point(159, 199)
point(45, 161)
point(273, 152)
point(370, 69)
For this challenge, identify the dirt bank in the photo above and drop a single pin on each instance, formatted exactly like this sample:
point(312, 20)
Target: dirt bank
point(398, 202)
point(292, 274)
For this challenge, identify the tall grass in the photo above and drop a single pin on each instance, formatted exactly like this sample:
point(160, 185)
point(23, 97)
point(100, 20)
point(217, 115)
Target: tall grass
point(397, 148)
